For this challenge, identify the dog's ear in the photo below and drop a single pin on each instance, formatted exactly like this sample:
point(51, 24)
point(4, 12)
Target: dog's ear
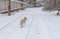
point(26, 19)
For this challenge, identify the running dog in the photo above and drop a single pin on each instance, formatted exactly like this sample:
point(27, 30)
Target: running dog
point(23, 21)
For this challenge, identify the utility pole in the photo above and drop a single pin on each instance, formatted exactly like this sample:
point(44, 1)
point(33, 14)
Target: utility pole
point(9, 7)
point(34, 3)
point(30, 2)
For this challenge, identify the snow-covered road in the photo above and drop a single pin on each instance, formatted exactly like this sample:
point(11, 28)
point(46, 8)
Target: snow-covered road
point(38, 29)
point(40, 25)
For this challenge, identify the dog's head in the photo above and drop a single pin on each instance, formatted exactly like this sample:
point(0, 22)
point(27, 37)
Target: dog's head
point(25, 18)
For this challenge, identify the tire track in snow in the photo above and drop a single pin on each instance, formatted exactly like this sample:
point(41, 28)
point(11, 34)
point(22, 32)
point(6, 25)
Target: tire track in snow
point(30, 26)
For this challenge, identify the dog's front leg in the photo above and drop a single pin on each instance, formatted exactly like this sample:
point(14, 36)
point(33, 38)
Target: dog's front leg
point(21, 26)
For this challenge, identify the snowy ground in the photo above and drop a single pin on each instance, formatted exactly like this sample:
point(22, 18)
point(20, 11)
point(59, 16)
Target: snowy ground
point(40, 25)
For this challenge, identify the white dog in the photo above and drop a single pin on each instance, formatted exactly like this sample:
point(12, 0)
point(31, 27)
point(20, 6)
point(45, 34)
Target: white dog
point(23, 21)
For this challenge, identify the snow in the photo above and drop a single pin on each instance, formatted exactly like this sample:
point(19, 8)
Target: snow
point(40, 25)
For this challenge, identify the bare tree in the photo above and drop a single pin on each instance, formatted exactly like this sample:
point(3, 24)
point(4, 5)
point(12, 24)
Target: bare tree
point(52, 4)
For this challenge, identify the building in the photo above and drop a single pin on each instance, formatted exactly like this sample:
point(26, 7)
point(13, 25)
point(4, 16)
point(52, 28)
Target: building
point(15, 4)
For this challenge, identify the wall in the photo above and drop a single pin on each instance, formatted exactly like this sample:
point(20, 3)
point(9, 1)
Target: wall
point(14, 5)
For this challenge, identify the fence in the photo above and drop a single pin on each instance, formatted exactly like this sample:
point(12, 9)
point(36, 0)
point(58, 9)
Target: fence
point(15, 6)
